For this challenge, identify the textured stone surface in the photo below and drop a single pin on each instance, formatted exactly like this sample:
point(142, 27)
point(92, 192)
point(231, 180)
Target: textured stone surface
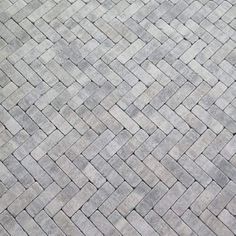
point(117, 117)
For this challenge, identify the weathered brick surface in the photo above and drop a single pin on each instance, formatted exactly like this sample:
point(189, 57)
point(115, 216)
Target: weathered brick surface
point(117, 117)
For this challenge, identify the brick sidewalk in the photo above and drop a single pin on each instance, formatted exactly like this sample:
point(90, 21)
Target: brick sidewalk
point(117, 117)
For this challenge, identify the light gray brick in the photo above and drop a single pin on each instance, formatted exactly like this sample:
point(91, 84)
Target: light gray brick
point(124, 119)
point(54, 171)
point(190, 195)
point(194, 170)
point(90, 171)
point(205, 198)
point(147, 147)
point(47, 224)
point(160, 171)
point(73, 173)
point(11, 224)
point(36, 171)
point(122, 224)
point(140, 224)
point(160, 226)
point(23, 200)
point(214, 224)
point(43, 199)
point(66, 224)
point(169, 198)
point(115, 199)
point(196, 224)
point(107, 171)
point(145, 173)
point(79, 199)
point(177, 170)
point(213, 171)
point(47, 144)
point(61, 199)
point(85, 225)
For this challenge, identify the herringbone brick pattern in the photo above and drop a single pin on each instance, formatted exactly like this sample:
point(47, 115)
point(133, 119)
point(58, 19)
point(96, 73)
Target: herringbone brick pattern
point(117, 117)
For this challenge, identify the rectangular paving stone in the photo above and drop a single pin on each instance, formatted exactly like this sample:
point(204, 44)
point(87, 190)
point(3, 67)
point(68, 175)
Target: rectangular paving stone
point(124, 119)
point(66, 225)
point(190, 195)
point(23, 200)
point(115, 199)
point(212, 170)
point(79, 199)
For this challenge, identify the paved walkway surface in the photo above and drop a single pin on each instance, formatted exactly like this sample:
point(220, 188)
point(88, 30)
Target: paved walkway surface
point(117, 117)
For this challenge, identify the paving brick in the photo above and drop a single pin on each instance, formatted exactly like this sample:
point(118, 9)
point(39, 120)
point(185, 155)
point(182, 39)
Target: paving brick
point(190, 195)
point(11, 224)
point(90, 171)
point(66, 225)
point(23, 200)
point(214, 224)
point(122, 224)
point(117, 117)
point(47, 224)
point(212, 170)
point(36, 171)
point(160, 226)
point(79, 199)
point(177, 170)
point(196, 224)
point(85, 225)
point(140, 224)
point(115, 199)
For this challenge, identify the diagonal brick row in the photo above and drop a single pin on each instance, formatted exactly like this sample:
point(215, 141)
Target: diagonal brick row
point(117, 117)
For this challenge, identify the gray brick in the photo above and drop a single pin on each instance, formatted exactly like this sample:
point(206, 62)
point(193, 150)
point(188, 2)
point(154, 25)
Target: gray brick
point(212, 170)
point(36, 171)
point(61, 199)
point(125, 171)
point(169, 198)
point(150, 200)
point(214, 224)
point(140, 224)
point(223, 198)
point(79, 199)
point(6, 199)
point(194, 170)
point(97, 199)
point(161, 227)
point(147, 147)
point(90, 171)
point(28, 224)
point(23, 200)
point(190, 195)
point(177, 170)
point(122, 224)
point(11, 72)
point(107, 171)
point(47, 224)
point(54, 171)
point(18, 171)
point(124, 119)
point(11, 224)
point(43, 199)
point(205, 198)
point(85, 225)
point(70, 169)
point(160, 171)
point(145, 173)
point(115, 199)
point(196, 224)
point(66, 224)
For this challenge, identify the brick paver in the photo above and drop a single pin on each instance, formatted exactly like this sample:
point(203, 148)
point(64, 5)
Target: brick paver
point(118, 117)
